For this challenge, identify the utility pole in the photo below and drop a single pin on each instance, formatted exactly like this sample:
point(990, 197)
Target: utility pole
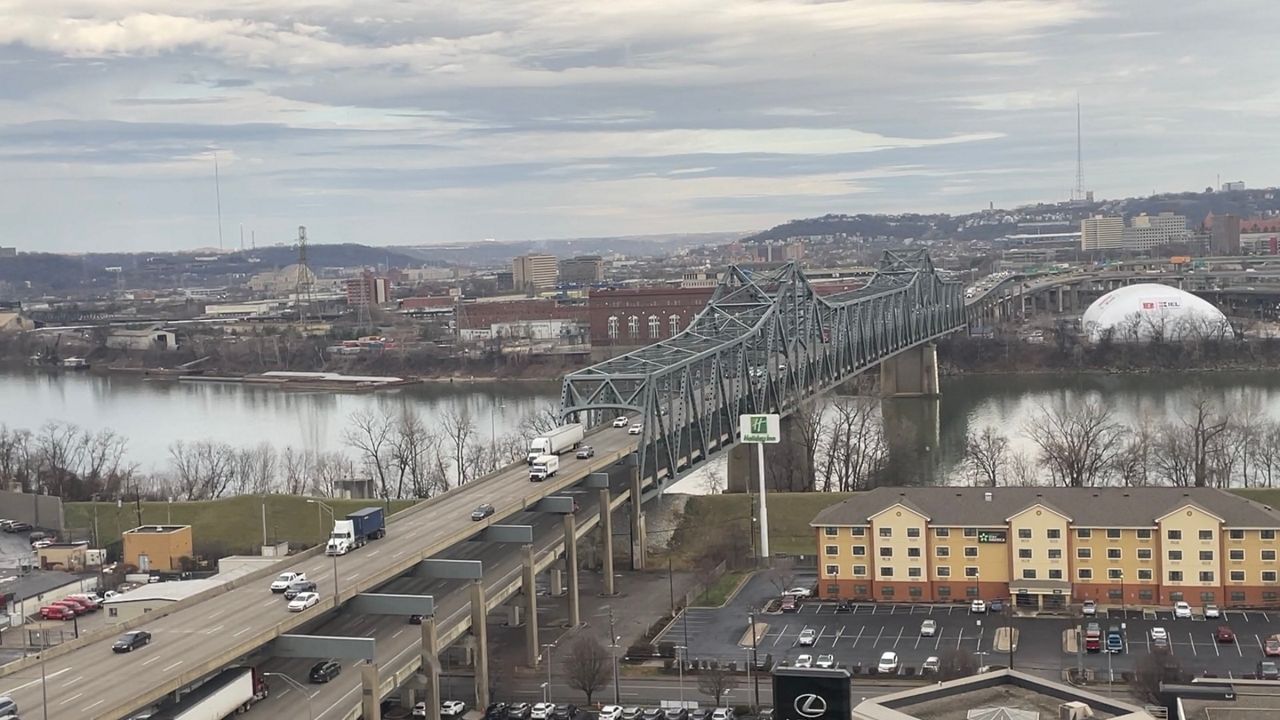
point(751, 618)
point(613, 649)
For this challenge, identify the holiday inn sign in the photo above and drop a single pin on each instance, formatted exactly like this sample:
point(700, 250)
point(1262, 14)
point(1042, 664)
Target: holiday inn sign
point(759, 428)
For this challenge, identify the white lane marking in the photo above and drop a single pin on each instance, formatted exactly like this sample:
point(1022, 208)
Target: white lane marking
point(396, 634)
point(242, 632)
point(213, 630)
point(90, 707)
point(150, 661)
point(170, 667)
point(48, 677)
point(214, 615)
point(71, 699)
point(72, 681)
point(269, 603)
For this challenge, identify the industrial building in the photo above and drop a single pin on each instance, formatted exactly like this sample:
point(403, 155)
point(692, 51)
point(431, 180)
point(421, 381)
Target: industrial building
point(157, 547)
point(1048, 546)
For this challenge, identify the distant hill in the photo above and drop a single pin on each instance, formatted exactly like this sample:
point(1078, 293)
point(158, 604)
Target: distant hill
point(492, 253)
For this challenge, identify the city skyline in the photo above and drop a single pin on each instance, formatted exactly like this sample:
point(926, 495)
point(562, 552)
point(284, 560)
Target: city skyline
point(407, 125)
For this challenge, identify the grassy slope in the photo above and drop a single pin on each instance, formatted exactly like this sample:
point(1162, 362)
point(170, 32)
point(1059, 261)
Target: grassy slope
point(220, 527)
point(708, 516)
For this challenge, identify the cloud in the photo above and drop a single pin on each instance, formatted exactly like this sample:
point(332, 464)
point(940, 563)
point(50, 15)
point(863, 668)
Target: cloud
point(384, 121)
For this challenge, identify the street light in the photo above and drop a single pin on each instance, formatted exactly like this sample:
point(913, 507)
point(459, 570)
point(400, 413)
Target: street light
point(613, 651)
point(333, 517)
point(751, 618)
point(297, 686)
point(546, 658)
point(681, 668)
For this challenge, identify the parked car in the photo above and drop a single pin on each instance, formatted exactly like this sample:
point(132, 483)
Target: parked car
point(1089, 608)
point(1115, 639)
point(722, 713)
point(635, 429)
point(790, 604)
point(1159, 633)
point(845, 606)
point(611, 712)
point(1268, 670)
point(298, 587)
point(652, 714)
point(18, 526)
point(1160, 645)
point(324, 671)
point(519, 711)
point(1271, 647)
point(419, 710)
point(131, 641)
point(888, 662)
point(675, 713)
point(1224, 634)
point(452, 708)
point(929, 628)
point(800, 592)
point(1182, 610)
point(632, 713)
point(996, 606)
point(302, 601)
point(496, 711)
point(621, 421)
point(700, 714)
point(931, 665)
point(1212, 612)
point(825, 661)
point(978, 606)
point(482, 511)
point(808, 637)
point(56, 612)
point(584, 452)
point(84, 605)
point(541, 711)
point(804, 661)
point(76, 608)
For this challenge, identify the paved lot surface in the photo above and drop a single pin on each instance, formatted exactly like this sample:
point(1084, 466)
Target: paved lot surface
point(1046, 643)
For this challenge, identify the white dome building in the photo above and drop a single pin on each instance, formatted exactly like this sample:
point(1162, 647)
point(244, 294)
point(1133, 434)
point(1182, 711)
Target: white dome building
point(1149, 311)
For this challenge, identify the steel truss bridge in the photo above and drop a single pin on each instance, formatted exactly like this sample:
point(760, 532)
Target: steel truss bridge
point(765, 343)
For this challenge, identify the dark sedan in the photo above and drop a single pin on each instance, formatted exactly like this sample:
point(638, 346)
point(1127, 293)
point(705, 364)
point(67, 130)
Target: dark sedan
point(298, 586)
point(1225, 634)
point(482, 512)
point(131, 641)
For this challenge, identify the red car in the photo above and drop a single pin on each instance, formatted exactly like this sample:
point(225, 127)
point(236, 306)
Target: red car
point(76, 608)
point(1224, 634)
point(84, 605)
point(56, 612)
point(1272, 646)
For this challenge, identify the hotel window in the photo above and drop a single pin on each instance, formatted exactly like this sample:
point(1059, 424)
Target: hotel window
point(1055, 553)
point(1115, 574)
point(1206, 534)
point(942, 532)
point(1084, 553)
point(832, 570)
point(915, 591)
point(1175, 576)
point(1175, 555)
point(613, 327)
point(1206, 576)
point(1237, 597)
point(886, 591)
point(944, 592)
point(886, 572)
point(1268, 576)
point(970, 571)
point(830, 531)
point(913, 532)
point(832, 550)
point(1237, 576)
point(1113, 553)
point(944, 571)
point(1053, 534)
point(1206, 555)
point(1144, 553)
point(1175, 534)
point(886, 552)
point(1268, 534)
point(1029, 574)
point(942, 551)
point(913, 552)
point(1024, 533)
point(1113, 534)
point(859, 549)
point(1144, 574)
point(859, 569)
point(970, 591)
point(1236, 554)
point(1146, 595)
point(1024, 553)
point(886, 532)
point(858, 531)
point(971, 532)
point(913, 572)
point(1269, 555)
point(971, 551)
point(1235, 534)
point(1084, 574)
point(1144, 534)
point(1084, 533)
point(1055, 574)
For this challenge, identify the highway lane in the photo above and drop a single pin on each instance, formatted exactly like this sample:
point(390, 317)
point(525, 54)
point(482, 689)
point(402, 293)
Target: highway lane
point(399, 642)
point(92, 682)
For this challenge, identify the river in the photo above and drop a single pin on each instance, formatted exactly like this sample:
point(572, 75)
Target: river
point(152, 414)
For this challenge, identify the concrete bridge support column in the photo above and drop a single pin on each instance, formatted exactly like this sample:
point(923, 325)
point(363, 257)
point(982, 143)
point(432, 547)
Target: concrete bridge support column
point(555, 581)
point(431, 667)
point(1075, 298)
point(911, 373)
point(530, 589)
point(638, 540)
point(1061, 292)
point(571, 564)
point(742, 471)
point(606, 541)
point(370, 703)
point(480, 629)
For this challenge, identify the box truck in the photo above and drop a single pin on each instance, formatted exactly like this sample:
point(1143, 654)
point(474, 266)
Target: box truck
point(555, 442)
point(544, 466)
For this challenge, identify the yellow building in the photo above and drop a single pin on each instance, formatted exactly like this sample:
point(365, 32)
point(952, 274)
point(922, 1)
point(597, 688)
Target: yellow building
point(157, 547)
point(1045, 547)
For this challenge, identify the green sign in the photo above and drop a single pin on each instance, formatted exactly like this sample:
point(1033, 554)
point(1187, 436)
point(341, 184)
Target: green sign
point(760, 428)
point(992, 536)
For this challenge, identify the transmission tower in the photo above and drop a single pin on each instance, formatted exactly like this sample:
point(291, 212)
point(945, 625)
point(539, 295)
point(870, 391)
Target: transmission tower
point(303, 286)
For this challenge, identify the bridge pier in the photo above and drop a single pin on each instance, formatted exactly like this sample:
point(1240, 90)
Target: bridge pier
point(606, 542)
point(639, 542)
point(742, 472)
point(480, 629)
point(911, 373)
point(370, 702)
point(530, 589)
point(431, 667)
point(913, 430)
point(571, 563)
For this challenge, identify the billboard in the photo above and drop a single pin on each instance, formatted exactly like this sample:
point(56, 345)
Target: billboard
point(811, 694)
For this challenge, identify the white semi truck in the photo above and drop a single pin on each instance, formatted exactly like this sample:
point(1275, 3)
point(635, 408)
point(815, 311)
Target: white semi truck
point(557, 441)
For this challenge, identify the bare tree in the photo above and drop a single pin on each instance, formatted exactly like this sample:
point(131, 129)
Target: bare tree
point(717, 681)
point(1173, 456)
point(954, 664)
point(588, 666)
point(1078, 444)
point(202, 470)
point(853, 449)
point(1132, 462)
point(1023, 471)
point(1204, 427)
point(987, 455)
point(372, 434)
point(18, 464)
point(459, 433)
point(1266, 453)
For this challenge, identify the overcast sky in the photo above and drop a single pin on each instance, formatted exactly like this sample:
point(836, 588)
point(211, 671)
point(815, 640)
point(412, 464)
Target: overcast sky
point(418, 121)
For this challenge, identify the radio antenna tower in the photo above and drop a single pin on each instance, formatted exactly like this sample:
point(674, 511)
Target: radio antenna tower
point(1079, 194)
point(217, 189)
point(303, 286)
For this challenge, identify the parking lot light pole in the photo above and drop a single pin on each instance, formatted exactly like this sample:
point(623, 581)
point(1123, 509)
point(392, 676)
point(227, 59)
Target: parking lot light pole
point(751, 618)
point(680, 660)
point(334, 518)
point(546, 658)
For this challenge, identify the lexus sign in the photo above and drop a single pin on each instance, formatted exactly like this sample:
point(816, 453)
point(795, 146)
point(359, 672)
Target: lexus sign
point(811, 694)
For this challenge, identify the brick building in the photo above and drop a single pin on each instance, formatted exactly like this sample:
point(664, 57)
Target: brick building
point(520, 319)
point(624, 319)
point(157, 547)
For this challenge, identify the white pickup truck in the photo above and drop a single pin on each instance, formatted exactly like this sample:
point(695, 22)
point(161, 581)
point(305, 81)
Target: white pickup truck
point(281, 583)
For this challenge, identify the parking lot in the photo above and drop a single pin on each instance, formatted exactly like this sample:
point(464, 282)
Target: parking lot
point(858, 636)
